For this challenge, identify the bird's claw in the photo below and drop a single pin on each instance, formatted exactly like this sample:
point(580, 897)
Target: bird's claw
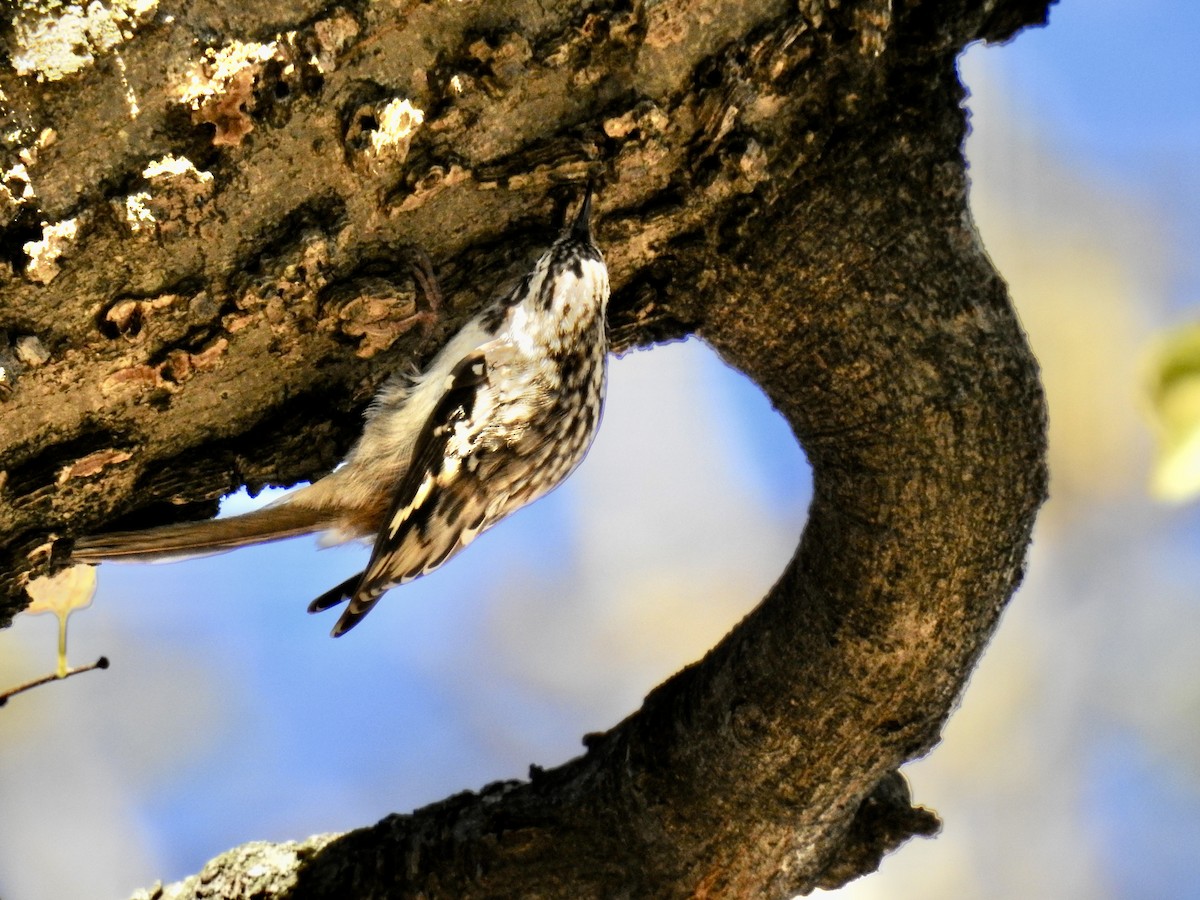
point(426, 281)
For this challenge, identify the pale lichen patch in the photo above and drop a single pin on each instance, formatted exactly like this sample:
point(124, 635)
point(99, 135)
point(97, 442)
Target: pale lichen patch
point(18, 174)
point(177, 194)
point(211, 74)
point(171, 165)
point(219, 87)
point(44, 254)
point(51, 40)
point(137, 214)
point(398, 122)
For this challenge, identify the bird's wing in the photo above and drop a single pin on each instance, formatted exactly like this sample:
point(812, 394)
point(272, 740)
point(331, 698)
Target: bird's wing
point(439, 506)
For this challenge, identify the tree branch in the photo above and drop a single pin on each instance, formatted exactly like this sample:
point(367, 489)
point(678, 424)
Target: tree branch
point(787, 184)
point(7, 693)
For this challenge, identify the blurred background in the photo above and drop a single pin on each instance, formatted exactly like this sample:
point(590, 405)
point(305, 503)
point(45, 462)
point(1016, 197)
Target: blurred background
point(1072, 769)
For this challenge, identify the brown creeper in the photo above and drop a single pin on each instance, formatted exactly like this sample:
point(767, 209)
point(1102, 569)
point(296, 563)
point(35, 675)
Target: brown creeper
point(502, 415)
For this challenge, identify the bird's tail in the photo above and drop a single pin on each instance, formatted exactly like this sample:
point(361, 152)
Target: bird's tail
point(184, 539)
point(336, 595)
point(359, 605)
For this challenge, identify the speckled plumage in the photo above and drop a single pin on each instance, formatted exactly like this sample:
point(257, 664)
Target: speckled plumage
point(502, 415)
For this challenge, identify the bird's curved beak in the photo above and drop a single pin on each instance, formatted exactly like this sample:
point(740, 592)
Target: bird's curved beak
point(582, 227)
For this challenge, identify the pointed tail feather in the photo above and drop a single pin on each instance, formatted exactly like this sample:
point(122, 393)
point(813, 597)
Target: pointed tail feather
point(351, 615)
point(354, 613)
point(184, 539)
point(334, 596)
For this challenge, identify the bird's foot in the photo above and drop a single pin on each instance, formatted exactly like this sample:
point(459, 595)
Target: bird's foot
point(427, 283)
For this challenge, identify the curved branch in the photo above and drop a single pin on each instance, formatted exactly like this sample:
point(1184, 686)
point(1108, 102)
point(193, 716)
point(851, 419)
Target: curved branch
point(788, 185)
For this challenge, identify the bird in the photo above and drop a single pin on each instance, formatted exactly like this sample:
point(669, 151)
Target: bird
point(501, 416)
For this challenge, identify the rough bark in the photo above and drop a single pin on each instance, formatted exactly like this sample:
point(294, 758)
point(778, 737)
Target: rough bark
point(783, 179)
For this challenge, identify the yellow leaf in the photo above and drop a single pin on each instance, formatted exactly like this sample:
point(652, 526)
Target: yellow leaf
point(1175, 408)
point(62, 594)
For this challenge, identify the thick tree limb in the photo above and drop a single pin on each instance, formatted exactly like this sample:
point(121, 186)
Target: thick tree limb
point(788, 183)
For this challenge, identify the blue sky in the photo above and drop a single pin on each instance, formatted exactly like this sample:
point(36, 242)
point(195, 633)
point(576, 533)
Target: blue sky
point(1114, 87)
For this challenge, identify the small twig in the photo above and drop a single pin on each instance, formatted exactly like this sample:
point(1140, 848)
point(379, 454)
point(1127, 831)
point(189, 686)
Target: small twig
point(101, 663)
